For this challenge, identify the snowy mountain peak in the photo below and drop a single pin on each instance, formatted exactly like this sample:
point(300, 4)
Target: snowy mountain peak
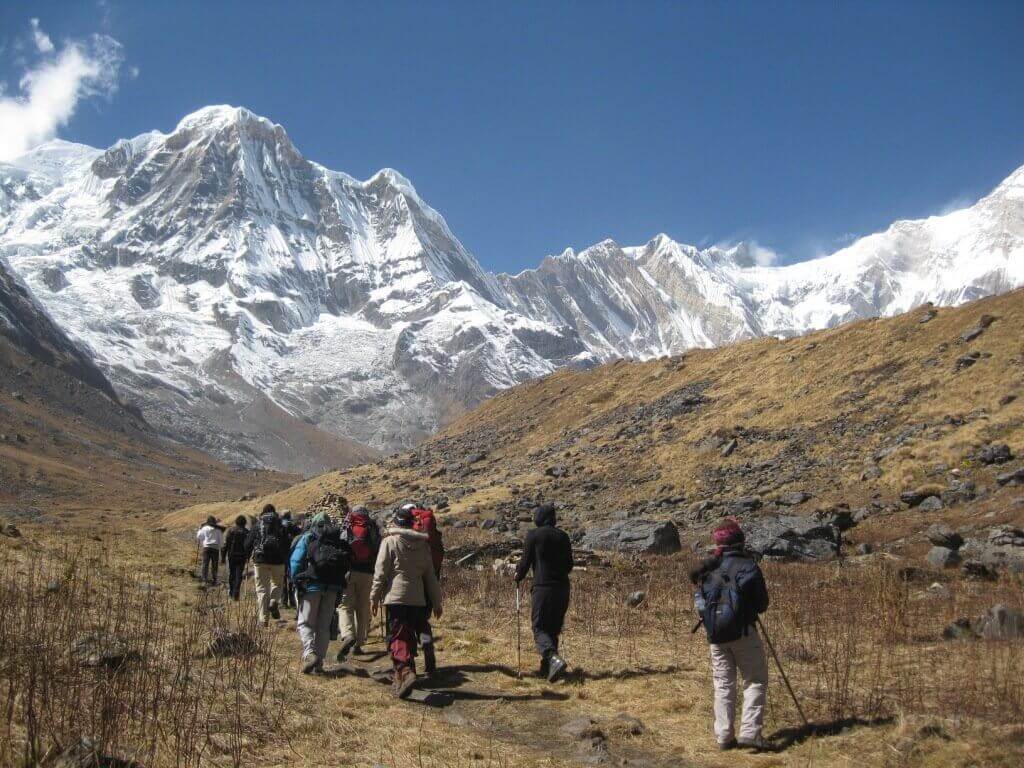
point(250, 300)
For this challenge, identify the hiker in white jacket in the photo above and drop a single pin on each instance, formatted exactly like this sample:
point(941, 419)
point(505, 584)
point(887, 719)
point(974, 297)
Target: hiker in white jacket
point(210, 538)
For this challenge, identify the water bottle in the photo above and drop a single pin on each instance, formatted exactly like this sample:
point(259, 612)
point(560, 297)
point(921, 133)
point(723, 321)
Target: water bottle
point(698, 601)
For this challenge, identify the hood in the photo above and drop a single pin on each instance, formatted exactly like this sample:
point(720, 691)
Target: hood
point(544, 515)
point(406, 533)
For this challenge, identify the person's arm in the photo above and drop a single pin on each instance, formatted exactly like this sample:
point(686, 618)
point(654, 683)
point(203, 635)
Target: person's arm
point(381, 575)
point(432, 586)
point(227, 545)
point(298, 556)
point(527, 558)
point(568, 554)
point(758, 591)
point(199, 537)
point(706, 566)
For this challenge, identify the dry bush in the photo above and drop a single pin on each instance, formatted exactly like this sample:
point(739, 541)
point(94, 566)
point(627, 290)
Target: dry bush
point(94, 661)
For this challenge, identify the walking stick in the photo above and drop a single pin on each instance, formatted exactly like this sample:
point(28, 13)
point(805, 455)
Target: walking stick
point(782, 672)
point(519, 632)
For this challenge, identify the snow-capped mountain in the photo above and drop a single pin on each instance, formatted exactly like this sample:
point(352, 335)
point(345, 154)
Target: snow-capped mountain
point(254, 303)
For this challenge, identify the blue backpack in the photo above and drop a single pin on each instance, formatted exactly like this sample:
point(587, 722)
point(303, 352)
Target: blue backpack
point(725, 614)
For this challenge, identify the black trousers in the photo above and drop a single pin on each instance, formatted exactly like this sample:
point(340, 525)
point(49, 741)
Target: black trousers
point(236, 573)
point(548, 607)
point(211, 562)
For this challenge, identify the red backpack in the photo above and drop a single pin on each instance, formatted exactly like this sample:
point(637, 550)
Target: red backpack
point(423, 520)
point(363, 537)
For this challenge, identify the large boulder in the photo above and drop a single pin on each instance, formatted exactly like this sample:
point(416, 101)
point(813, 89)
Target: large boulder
point(635, 536)
point(1003, 547)
point(791, 537)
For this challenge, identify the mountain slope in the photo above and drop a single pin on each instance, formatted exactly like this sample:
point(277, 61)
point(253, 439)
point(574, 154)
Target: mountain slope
point(66, 441)
point(274, 312)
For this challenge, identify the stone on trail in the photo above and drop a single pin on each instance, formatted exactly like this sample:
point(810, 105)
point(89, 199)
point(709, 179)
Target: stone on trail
point(730, 447)
point(793, 498)
point(635, 535)
point(942, 535)
point(995, 454)
point(1013, 477)
point(942, 557)
point(1001, 623)
point(635, 598)
point(931, 504)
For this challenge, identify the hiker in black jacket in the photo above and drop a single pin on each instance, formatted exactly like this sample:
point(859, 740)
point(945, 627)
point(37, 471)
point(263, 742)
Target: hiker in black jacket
point(235, 553)
point(548, 551)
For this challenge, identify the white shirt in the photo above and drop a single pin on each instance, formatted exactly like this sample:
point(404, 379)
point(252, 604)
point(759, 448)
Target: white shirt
point(209, 536)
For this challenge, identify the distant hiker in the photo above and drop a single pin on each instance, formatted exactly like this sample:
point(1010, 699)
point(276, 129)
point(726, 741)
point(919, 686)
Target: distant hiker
point(404, 580)
point(731, 595)
point(361, 533)
point(548, 551)
point(425, 522)
point(269, 546)
point(210, 538)
point(291, 533)
point(319, 564)
point(235, 554)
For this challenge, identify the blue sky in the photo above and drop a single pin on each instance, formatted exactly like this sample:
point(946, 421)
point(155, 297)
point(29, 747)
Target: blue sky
point(533, 127)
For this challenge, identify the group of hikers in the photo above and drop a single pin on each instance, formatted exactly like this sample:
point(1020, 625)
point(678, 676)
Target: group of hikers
point(339, 572)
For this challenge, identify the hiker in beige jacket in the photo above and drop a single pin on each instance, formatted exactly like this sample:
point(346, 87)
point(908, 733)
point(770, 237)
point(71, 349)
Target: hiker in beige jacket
point(403, 580)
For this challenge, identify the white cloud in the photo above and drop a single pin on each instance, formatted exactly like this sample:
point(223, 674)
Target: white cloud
point(749, 253)
point(43, 42)
point(762, 255)
point(49, 92)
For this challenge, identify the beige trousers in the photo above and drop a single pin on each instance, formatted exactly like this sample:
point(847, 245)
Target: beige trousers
point(747, 656)
point(269, 580)
point(355, 607)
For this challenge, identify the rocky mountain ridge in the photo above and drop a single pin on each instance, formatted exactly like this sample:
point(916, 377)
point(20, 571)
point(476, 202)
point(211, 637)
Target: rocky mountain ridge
point(274, 312)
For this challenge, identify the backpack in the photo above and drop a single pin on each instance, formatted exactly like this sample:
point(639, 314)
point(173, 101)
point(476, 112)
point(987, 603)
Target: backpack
point(270, 546)
point(363, 536)
point(726, 615)
point(425, 522)
point(328, 557)
point(234, 543)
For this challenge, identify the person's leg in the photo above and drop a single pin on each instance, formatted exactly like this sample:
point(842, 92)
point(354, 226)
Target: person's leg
point(753, 666)
point(538, 614)
point(234, 578)
point(309, 607)
point(401, 636)
point(361, 584)
point(206, 564)
point(275, 575)
point(263, 589)
point(214, 562)
point(554, 614)
point(325, 613)
point(723, 675)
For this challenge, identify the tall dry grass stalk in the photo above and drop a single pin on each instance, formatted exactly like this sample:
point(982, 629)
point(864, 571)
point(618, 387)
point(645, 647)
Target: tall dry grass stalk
point(93, 660)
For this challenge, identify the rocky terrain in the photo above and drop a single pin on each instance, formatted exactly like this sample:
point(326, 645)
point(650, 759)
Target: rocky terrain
point(67, 442)
point(848, 441)
point(273, 312)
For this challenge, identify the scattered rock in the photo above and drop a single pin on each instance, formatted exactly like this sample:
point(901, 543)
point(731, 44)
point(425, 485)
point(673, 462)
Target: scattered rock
point(927, 316)
point(635, 536)
point(976, 330)
point(793, 498)
point(99, 650)
point(959, 630)
point(226, 644)
point(865, 549)
point(11, 531)
point(942, 557)
point(632, 726)
point(1001, 623)
point(939, 591)
point(85, 755)
point(558, 470)
point(730, 447)
point(1013, 477)
point(966, 361)
point(995, 454)
point(942, 535)
point(635, 598)
point(789, 537)
point(974, 569)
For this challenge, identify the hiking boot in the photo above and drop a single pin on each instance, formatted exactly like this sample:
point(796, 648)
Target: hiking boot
point(725, 746)
point(310, 663)
point(556, 666)
point(346, 645)
point(404, 681)
point(759, 744)
point(429, 659)
point(275, 612)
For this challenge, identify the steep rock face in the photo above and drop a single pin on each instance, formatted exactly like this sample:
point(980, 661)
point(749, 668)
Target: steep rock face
point(253, 303)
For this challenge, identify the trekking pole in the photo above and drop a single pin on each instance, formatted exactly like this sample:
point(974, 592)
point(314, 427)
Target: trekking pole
point(782, 672)
point(519, 631)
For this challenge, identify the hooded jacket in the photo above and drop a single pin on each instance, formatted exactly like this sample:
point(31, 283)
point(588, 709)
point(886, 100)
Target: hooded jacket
point(548, 550)
point(404, 574)
point(210, 536)
point(425, 522)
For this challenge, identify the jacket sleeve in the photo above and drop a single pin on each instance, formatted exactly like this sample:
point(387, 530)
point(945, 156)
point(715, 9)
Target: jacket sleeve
point(199, 536)
point(568, 555)
point(381, 573)
point(707, 565)
point(295, 563)
point(227, 543)
point(526, 561)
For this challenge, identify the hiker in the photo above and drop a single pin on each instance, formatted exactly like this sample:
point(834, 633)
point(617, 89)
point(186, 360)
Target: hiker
point(548, 551)
point(269, 547)
point(361, 533)
point(425, 522)
point(319, 564)
point(210, 539)
point(731, 595)
point(291, 533)
point(235, 553)
point(404, 581)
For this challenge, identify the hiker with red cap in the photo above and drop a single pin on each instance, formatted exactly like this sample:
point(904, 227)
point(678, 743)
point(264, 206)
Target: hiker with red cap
point(731, 594)
point(425, 522)
point(363, 536)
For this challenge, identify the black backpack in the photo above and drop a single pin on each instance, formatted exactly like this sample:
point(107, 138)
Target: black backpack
point(328, 557)
point(270, 546)
point(726, 616)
